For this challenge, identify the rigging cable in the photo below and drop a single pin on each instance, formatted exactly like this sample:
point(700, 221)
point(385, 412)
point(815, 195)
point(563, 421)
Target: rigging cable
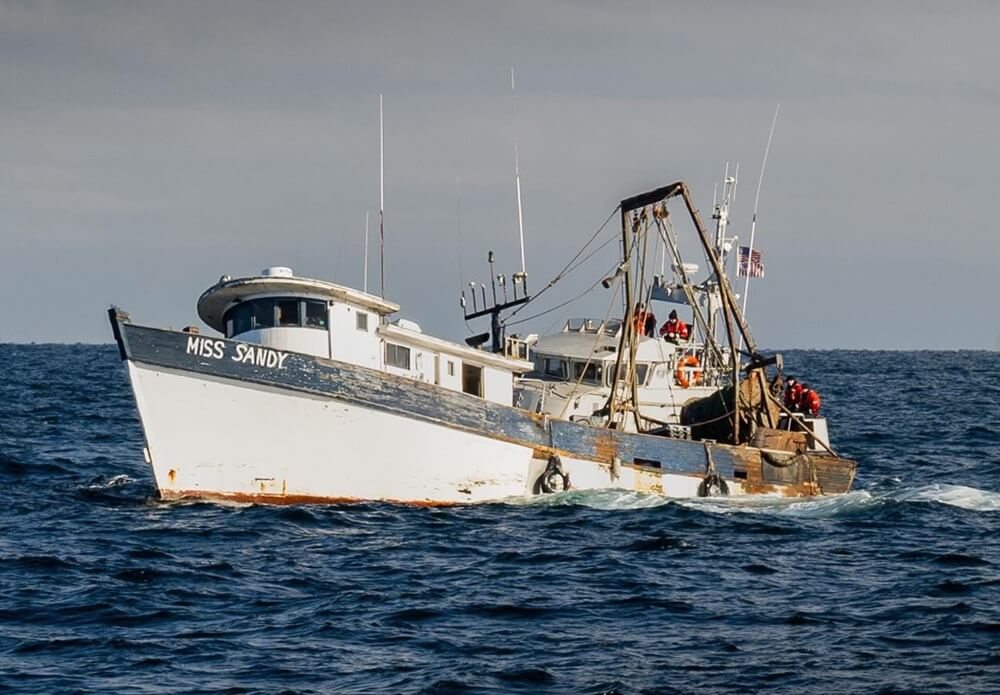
point(571, 300)
point(567, 267)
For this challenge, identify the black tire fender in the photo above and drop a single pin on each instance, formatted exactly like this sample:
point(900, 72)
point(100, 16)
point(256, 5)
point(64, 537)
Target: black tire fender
point(713, 485)
point(553, 479)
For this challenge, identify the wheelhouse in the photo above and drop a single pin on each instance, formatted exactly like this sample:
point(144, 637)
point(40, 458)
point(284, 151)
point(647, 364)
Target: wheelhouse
point(278, 310)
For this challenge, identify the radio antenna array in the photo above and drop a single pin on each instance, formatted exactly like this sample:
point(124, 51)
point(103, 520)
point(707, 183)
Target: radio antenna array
point(493, 305)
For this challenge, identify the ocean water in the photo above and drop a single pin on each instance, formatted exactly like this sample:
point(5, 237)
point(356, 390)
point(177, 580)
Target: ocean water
point(893, 588)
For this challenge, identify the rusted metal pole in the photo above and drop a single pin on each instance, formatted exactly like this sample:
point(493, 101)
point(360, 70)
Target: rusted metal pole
point(627, 329)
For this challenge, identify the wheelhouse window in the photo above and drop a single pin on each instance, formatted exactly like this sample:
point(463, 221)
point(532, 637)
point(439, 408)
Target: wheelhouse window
point(263, 313)
point(288, 312)
point(275, 311)
point(641, 369)
point(588, 373)
point(315, 314)
point(397, 356)
point(472, 379)
point(238, 319)
point(554, 367)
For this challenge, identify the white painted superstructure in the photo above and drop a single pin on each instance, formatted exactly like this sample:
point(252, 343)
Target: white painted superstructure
point(278, 310)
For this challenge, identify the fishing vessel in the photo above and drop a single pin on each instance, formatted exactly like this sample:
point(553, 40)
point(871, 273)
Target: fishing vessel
point(313, 391)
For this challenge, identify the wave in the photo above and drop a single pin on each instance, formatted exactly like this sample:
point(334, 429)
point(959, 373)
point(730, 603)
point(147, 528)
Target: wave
point(847, 504)
point(608, 499)
point(954, 495)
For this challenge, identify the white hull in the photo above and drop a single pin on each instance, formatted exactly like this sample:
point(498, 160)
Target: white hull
point(216, 438)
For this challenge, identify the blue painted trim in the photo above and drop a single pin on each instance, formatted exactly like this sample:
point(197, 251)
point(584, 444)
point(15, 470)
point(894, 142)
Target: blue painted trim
point(219, 358)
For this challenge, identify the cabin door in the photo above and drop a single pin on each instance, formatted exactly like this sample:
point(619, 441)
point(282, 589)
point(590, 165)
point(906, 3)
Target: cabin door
point(437, 370)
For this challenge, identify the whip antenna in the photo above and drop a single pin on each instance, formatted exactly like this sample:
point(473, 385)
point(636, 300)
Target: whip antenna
point(381, 198)
point(517, 173)
point(366, 252)
point(753, 223)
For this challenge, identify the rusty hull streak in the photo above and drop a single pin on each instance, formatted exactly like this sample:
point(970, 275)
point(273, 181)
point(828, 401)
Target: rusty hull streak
point(604, 446)
point(754, 483)
point(276, 498)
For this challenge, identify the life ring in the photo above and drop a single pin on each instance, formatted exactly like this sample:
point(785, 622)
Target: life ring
point(684, 365)
point(713, 486)
point(553, 478)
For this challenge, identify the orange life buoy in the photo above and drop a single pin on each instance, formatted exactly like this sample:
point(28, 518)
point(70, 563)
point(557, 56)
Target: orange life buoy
point(687, 365)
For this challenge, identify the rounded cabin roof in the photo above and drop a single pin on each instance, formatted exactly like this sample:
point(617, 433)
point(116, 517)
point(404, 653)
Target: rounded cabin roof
point(214, 302)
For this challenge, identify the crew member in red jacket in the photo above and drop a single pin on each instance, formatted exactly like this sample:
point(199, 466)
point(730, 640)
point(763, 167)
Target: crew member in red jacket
point(674, 329)
point(810, 401)
point(793, 394)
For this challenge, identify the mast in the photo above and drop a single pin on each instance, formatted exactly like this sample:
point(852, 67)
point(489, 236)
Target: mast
point(720, 213)
point(381, 198)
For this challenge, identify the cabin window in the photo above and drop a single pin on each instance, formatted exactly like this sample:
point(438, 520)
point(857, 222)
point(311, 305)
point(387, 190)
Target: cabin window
point(642, 371)
point(263, 313)
point(240, 317)
point(588, 372)
point(554, 367)
point(315, 314)
point(288, 312)
point(472, 379)
point(361, 320)
point(397, 356)
point(451, 368)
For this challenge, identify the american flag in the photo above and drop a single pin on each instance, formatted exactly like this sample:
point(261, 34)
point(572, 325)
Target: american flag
point(750, 264)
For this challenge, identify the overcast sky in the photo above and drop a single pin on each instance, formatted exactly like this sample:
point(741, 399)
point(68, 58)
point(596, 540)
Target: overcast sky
point(146, 148)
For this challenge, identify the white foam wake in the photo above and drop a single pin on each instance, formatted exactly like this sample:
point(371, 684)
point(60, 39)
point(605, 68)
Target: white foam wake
point(954, 495)
point(774, 505)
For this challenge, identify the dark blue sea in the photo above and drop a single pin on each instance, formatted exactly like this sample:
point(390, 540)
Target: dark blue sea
point(893, 588)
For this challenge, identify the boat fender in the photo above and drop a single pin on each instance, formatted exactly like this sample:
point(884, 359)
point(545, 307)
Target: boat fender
point(554, 478)
point(713, 486)
point(681, 375)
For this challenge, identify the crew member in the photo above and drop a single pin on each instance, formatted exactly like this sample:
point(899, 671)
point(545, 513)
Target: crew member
point(810, 401)
point(644, 321)
point(649, 328)
point(793, 394)
point(674, 329)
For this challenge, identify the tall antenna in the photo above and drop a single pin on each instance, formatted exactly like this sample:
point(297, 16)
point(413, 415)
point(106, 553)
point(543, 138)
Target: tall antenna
point(366, 252)
point(517, 173)
point(381, 198)
point(753, 223)
point(458, 218)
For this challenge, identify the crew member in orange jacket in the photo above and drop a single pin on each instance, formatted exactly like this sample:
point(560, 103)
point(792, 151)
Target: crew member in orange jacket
point(810, 401)
point(674, 329)
point(644, 321)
